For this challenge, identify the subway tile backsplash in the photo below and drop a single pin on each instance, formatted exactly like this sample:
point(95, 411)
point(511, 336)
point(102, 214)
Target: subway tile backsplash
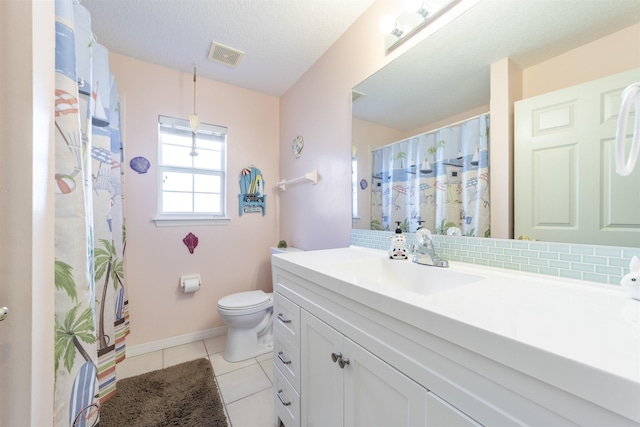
point(602, 264)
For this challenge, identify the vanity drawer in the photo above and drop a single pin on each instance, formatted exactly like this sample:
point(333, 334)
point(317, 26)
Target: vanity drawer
point(287, 320)
point(286, 358)
point(286, 403)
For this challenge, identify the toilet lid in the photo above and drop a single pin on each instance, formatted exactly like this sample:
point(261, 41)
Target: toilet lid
point(243, 300)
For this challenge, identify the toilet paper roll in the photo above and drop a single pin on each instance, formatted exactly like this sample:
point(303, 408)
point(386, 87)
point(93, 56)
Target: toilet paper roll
point(191, 284)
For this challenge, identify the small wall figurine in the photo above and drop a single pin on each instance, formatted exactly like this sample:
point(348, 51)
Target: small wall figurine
point(252, 197)
point(191, 241)
point(631, 281)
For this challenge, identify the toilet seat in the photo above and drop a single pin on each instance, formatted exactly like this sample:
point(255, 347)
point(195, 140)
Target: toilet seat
point(244, 300)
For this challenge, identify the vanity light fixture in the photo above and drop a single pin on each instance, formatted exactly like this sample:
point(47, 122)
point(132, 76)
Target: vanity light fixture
point(194, 120)
point(417, 15)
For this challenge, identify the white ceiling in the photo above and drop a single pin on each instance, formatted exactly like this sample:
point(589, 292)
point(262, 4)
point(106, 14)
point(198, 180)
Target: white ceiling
point(448, 73)
point(281, 39)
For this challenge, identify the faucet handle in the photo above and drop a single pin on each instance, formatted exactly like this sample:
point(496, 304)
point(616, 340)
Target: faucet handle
point(454, 231)
point(423, 235)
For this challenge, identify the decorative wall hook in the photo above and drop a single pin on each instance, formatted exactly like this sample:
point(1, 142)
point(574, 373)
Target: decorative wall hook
point(191, 240)
point(252, 197)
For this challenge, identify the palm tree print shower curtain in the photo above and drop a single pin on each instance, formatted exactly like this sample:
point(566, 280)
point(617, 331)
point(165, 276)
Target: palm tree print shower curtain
point(91, 309)
point(436, 180)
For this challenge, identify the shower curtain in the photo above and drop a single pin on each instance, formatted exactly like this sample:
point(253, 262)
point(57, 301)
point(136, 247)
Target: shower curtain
point(91, 308)
point(436, 180)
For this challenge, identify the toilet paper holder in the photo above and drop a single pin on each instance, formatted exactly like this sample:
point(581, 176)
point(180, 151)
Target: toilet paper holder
point(190, 283)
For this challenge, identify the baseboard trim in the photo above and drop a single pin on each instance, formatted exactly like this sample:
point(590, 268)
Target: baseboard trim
point(136, 350)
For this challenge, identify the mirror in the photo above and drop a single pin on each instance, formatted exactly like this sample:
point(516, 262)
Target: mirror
point(445, 78)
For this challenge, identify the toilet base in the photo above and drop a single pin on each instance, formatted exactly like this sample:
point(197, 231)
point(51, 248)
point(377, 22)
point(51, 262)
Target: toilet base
point(245, 344)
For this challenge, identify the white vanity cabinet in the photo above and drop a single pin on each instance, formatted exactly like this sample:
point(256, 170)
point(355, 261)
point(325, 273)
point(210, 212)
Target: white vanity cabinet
point(323, 377)
point(354, 351)
point(344, 384)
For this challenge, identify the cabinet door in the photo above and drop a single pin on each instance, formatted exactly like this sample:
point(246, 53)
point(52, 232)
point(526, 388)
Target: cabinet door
point(376, 394)
point(321, 392)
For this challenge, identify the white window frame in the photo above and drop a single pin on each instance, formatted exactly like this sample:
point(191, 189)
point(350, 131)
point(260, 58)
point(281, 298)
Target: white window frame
point(354, 188)
point(163, 219)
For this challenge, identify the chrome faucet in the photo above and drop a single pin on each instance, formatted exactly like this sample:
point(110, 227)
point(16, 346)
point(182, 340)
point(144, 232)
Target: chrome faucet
point(425, 253)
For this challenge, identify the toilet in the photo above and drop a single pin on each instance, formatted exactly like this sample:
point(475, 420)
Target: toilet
point(249, 319)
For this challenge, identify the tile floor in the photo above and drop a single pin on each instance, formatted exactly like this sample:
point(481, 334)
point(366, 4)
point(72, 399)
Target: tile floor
point(245, 387)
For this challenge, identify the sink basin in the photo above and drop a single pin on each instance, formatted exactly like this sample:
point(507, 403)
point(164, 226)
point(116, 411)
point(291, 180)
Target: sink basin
point(420, 279)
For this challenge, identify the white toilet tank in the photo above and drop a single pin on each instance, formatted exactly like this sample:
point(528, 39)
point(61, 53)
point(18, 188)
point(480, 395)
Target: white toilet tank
point(275, 250)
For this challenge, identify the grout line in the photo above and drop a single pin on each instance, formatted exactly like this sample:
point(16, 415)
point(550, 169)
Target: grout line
point(249, 395)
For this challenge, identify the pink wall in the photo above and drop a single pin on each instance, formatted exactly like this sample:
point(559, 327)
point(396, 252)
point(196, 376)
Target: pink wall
point(318, 107)
point(230, 258)
point(609, 55)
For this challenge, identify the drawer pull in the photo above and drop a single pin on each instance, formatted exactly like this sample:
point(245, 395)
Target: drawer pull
point(280, 356)
point(282, 319)
point(336, 356)
point(281, 399)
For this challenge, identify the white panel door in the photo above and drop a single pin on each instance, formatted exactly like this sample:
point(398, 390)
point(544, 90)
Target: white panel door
point(566, 188)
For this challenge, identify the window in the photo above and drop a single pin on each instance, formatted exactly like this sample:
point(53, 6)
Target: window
point(192, 173)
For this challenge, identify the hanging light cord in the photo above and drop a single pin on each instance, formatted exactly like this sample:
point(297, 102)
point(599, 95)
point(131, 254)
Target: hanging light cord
point(193, 152)
point(194, 90)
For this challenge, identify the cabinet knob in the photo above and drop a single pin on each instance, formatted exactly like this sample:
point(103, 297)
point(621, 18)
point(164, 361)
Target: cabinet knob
point(336, 356)
point(343, 362)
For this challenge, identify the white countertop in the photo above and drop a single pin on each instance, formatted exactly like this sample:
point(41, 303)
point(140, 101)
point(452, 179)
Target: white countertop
point(579, 336)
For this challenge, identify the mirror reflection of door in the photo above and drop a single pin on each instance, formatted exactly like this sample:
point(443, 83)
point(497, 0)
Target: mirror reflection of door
point(566, 187)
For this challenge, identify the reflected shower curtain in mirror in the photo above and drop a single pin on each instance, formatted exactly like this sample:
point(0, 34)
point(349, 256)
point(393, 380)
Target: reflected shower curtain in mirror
point(435, 180)
point(91, 310)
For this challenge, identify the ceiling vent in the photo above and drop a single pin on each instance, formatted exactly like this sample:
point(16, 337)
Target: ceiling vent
point(355, 95)
point(225, 54)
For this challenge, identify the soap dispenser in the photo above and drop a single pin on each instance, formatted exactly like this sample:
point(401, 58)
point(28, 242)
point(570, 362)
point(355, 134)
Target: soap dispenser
point(398, 248)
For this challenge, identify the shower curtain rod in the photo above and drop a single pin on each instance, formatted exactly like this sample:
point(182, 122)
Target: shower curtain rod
point(430, 131)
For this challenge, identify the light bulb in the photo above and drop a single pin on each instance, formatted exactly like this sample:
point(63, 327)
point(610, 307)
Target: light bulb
point(387, 24)
point(412, 6)
point(416, 7)
point(194, 121)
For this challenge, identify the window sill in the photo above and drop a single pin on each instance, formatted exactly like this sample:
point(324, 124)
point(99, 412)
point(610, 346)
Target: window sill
point(184, 221)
